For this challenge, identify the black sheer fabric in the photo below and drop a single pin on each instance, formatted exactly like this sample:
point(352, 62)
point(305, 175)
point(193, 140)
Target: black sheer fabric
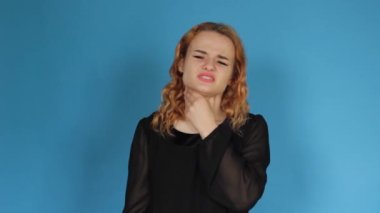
point(223, 173)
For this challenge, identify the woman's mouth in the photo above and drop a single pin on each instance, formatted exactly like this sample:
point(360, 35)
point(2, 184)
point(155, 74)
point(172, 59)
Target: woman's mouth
point(206, 77)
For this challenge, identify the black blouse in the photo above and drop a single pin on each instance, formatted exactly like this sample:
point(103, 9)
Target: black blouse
point(223, 173)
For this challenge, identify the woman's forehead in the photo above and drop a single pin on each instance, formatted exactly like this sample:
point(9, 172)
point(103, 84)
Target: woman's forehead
point(212, 42)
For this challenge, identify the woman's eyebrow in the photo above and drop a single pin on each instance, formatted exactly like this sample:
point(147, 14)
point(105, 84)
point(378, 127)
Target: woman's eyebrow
point(219, 56)
point(201, 51)
point(223, 57)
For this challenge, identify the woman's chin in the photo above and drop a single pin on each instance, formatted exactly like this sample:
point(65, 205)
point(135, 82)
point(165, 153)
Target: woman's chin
point(206, 93)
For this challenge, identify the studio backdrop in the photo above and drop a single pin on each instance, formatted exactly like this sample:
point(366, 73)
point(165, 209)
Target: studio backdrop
point(76, 76)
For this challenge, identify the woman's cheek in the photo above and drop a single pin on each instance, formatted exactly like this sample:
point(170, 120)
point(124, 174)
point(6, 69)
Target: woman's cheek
point(186, 78)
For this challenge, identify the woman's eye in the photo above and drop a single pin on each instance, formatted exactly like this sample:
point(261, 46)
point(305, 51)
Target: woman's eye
point(222, 63)
point(198, 56)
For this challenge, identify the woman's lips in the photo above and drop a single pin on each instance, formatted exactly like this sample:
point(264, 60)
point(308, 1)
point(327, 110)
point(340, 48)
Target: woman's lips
point(206, 77)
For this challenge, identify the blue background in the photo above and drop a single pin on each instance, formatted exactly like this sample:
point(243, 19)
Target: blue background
point(76, 76)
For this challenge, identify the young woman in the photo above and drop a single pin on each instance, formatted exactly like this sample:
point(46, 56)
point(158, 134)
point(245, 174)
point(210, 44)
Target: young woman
point(202, 151)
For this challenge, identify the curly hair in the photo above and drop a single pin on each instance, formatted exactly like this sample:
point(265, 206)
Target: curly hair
point(234, 100)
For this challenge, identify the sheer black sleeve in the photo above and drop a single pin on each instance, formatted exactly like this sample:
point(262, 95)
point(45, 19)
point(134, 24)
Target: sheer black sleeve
point(137, 193)
point(234, 166)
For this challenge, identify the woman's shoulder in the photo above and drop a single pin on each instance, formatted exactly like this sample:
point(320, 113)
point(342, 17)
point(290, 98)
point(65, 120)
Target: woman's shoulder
point(255, 117)
point(255, 121)
point(145, 122)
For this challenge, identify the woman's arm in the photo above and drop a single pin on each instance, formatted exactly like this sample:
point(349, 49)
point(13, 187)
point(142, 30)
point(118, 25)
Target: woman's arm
point(236, 177)
point(137, 193)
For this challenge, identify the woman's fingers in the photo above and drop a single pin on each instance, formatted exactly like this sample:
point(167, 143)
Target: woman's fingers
point(198, 111)
point(189, 97)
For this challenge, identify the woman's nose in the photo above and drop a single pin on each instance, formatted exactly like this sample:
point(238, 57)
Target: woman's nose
point(208, 66)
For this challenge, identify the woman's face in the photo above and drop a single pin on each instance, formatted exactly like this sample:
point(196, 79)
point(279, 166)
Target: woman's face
point(208, 65)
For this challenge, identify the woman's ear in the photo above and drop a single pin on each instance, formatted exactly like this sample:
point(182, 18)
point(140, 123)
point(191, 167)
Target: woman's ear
point(180, 65)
